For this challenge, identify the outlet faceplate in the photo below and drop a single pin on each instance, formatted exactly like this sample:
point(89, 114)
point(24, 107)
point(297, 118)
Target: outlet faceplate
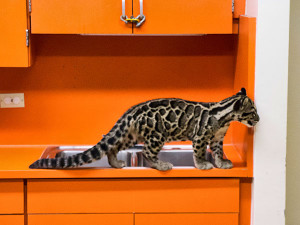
point(13, 100)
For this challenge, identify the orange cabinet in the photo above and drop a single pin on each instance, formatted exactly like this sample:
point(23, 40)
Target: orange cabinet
point(185, 17)
point(103, 17)
point(13, 42)
point(11, 197)
point(79, 17)
point(11, 219)
point(129, 195)
point(189, 218)
point(81, 219)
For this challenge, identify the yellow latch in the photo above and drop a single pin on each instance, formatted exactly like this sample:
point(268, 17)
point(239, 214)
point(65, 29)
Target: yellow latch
point(132, 20)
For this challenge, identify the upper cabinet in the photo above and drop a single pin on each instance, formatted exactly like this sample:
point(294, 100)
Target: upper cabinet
point(184, 17)
point(14, 35)
point(109, 17)
point(79, 17)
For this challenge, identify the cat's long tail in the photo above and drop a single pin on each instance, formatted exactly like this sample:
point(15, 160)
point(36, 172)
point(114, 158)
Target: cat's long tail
point(88, 156)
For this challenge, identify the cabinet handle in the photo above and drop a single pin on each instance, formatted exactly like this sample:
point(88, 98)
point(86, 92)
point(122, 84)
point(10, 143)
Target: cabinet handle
point(141, 17)
point(123, 16)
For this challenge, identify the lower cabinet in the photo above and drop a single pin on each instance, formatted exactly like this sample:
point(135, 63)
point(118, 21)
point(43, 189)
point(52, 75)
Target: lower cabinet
point(11, 219)
point(188, 218)
point(81, 219)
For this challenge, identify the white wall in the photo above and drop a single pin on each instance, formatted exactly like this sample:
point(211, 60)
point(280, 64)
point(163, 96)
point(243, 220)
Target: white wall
point(272, 42)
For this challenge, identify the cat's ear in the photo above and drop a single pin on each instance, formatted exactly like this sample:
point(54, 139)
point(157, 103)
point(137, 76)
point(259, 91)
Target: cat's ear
point(241, 104)
point(237, 105)
point(242, 92)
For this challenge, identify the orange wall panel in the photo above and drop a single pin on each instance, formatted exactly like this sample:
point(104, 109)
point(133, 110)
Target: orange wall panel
point(79, 86)
point(244, 76)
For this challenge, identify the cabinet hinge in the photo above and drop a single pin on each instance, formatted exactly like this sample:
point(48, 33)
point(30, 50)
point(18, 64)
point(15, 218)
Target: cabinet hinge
point(27, 38)
point(29, 6)
point(232, 5)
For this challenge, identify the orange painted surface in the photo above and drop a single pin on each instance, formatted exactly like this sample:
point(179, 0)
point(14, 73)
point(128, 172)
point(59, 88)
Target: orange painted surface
point(239, 8)
point(187, 195)
point(14, 163)
point(11, 220)
point(178, 17)
point(125, 196)
point(244, 76)
point(11, 197)
point(73, 219)
point(73, 95)
point(13, 23)
point(79, 17)
point(245, 201)
point(190, 219)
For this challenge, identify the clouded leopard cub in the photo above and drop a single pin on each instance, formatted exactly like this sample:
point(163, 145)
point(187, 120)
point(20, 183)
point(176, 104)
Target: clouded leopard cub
point(163, 120)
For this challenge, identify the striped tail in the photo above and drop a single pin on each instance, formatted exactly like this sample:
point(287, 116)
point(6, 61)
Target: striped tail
point(88, 156)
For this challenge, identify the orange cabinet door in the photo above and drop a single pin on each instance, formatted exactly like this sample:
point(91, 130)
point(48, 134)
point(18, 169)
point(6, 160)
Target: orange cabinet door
point(79, 17)
point(11, 219)
point(189, 218)
point(185, 17)
point(81, 219)
point(14, 51)
point(11, 197)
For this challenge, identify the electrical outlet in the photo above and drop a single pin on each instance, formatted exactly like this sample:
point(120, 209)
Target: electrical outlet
point(13, 100)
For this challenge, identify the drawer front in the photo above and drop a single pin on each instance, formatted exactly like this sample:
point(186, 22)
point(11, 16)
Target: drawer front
point(185, 17)
point(73, 219)
point(190, 219)
point(11, 219)
point(126, 196)
point(187, 195)
point(79, 196)
point(79, 17)
point(11, 197)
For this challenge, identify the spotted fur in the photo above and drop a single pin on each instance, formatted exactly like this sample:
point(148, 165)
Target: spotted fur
point(159, 121)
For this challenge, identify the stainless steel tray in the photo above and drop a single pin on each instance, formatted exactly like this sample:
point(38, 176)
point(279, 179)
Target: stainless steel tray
point(178, 155)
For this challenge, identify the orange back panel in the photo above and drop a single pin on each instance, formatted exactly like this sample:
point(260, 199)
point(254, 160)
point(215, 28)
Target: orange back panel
point(79, 86)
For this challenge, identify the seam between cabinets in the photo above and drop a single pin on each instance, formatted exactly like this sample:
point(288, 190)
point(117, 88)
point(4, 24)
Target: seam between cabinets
point(25, 203)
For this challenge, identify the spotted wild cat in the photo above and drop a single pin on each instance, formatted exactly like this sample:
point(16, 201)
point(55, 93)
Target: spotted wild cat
point(163, 120)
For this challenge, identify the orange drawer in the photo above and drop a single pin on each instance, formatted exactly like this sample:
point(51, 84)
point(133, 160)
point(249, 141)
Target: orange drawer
point(79, 219)
point(190, 219)
point(187, 195)
point(79, 17)
point(136, 195)
point(185, 17)
point(11, 220)
point(11, 197)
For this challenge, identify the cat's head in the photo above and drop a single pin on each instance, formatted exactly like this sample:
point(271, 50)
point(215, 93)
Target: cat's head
point(245, 109)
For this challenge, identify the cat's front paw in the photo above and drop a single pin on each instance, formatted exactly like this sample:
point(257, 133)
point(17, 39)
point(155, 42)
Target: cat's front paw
point(223, 163)
point(162, 166)
point(203, 165)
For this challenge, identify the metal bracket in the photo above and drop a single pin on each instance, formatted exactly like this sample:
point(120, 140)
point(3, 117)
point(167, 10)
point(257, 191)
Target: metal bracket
point(232, 5)
point(29, 6)
point(27, 38)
